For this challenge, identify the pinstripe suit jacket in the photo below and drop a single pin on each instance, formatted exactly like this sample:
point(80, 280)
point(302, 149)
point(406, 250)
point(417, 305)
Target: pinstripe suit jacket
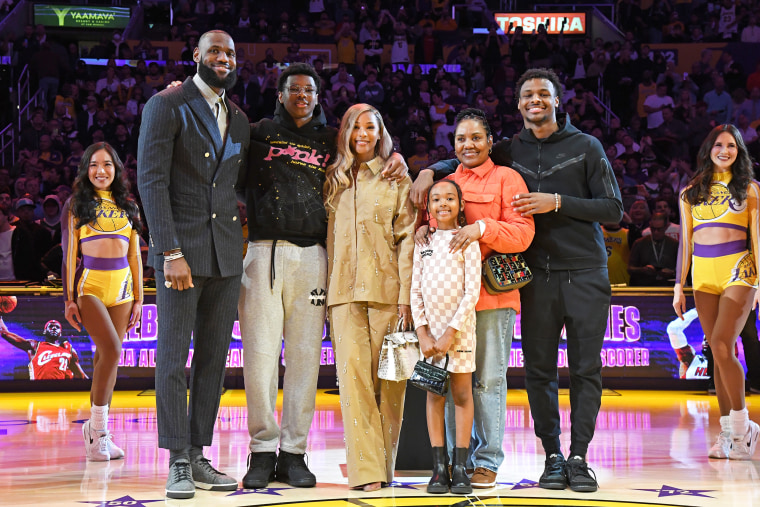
point(186, 175)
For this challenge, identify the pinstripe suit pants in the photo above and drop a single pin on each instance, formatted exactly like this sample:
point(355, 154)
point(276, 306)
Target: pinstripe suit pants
point(207, 312)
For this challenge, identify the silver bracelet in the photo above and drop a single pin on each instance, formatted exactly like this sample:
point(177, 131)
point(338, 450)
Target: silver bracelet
point(173, 257)
point(556, 202)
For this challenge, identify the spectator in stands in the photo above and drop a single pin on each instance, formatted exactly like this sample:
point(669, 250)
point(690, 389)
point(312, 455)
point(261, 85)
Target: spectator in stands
point(155, 77)
point(124, 144)
point(618, 253)
point(652, 262)
point(47, 154)
point(414, 127)
point(444, 134)
point(370, 91)
point(109, 82)
point(428, 47)
point(754, 151)
point(637, 219)
point(751, 32)
point(719, 102)
point(325, 28)
point(102, 123)
point(30, 243)
point(421, 157)
point(663, 209)
point(247, 88)
point(740, 105)
point(670, 138)
point(654, 104)
point(86, 119)
point(728, 28)
point(445, 23)
point(33, 131)
point(343, 81)
point(748, 133)
point(373, 48)
point(400, 47)
point(7, 232)
point(51, 221)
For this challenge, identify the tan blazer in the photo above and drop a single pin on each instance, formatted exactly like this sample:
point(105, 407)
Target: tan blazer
point(370, 240)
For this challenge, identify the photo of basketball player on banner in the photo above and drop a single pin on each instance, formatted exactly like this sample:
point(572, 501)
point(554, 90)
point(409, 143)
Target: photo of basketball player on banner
point(52, 358)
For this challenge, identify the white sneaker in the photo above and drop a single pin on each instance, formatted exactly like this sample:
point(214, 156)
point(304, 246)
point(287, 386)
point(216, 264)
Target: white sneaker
point(95, 443)
point(721, 447)
point(113, 450)
point(744, 447)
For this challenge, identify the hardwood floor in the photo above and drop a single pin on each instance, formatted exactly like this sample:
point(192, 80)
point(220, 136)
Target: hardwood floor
point(650, 449)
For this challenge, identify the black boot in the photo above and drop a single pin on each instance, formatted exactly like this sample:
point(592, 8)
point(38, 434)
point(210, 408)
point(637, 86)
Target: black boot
point(460, 483)
point(439, 483)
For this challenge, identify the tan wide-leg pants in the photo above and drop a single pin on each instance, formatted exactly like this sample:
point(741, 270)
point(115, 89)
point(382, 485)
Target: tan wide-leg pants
point(372, 408)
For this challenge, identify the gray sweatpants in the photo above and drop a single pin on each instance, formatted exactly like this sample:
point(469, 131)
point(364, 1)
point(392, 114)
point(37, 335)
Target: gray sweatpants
point(285, 303)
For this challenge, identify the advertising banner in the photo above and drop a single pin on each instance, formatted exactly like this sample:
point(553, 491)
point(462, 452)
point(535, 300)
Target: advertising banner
point(529, 21)
point(642, 336)
point(81, 16)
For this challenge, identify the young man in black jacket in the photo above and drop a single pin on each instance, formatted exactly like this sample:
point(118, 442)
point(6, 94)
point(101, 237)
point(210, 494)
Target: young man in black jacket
point(285, 275)
point(572, 190)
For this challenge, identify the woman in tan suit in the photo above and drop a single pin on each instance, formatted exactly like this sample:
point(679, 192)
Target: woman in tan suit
point(369, 247)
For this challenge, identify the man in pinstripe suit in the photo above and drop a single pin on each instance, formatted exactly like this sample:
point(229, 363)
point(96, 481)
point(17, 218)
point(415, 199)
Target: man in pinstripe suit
point(192, 145)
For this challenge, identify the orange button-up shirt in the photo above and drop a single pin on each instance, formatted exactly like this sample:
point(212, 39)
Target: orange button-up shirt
point(488, 191)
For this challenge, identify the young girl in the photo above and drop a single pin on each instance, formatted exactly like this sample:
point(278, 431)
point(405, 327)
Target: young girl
point(445, 289)
point(719, 210)
point(104, 293)
point(369, 250)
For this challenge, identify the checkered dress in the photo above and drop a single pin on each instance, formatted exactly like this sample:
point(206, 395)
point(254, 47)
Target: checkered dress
point(445, 289)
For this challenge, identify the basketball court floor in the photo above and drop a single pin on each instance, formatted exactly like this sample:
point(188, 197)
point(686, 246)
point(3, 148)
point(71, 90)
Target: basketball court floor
point(650, 450)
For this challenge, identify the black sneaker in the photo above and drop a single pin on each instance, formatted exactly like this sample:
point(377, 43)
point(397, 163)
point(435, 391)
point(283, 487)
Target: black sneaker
point(292, 469)
point(579, 475)
point(554, 473)
point(260, 470)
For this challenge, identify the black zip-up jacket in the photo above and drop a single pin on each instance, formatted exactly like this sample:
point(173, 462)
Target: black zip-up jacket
point(573, 165)
point(286, 173)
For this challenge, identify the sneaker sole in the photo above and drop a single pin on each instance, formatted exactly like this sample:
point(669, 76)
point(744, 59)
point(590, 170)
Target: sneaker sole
point(297, 484)
point(483, 485)
point(584, 489)
point(217, 487)
point(437, 489)
point(256, 485)
point(552, 485)
point(179, 495)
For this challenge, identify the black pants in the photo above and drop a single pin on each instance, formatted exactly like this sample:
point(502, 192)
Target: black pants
point(579, 300)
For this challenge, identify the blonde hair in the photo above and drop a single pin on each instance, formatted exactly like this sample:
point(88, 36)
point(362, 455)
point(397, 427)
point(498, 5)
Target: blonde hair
point(337, 176)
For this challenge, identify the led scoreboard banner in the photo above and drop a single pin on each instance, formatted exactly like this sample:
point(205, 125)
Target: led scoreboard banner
point(640, 342)
point(81, 16)
point(576, 21)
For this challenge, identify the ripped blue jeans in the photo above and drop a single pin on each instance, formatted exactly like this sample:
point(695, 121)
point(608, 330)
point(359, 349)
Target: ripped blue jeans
point(494, 329)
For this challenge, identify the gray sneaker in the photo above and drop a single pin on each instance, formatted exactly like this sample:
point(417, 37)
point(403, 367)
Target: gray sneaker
point(180, 484)
point(207, 477)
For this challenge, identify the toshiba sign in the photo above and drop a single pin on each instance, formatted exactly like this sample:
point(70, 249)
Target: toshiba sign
point(576, 21)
